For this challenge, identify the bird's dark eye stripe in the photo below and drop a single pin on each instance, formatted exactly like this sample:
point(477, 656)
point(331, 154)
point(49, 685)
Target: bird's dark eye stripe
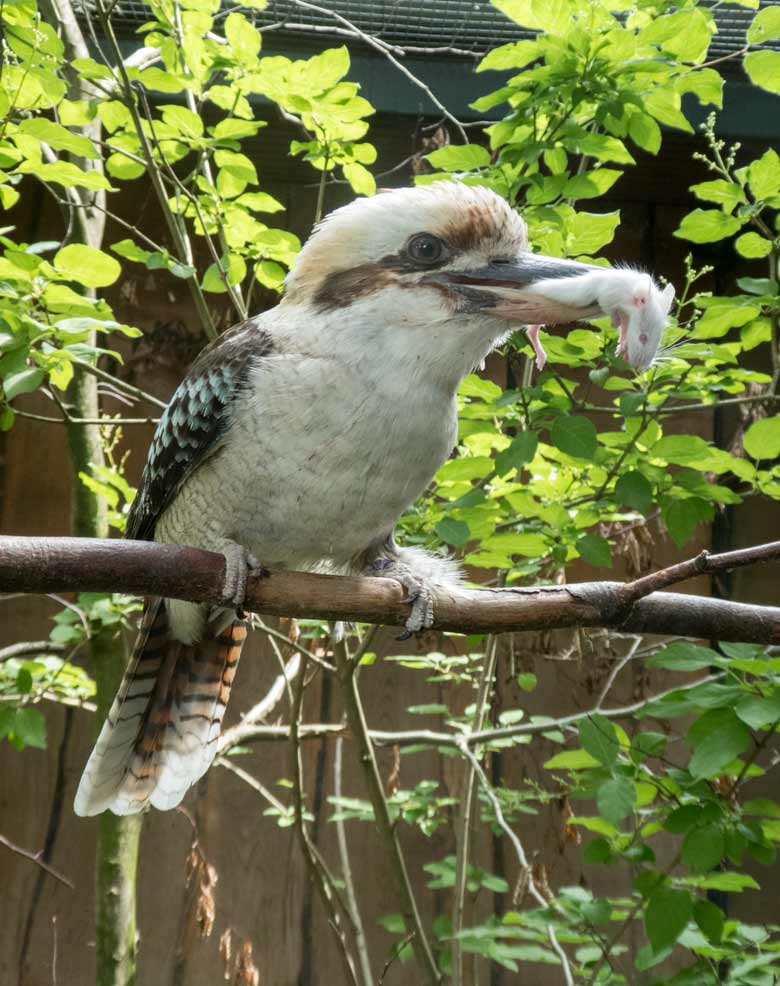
point(426, 250)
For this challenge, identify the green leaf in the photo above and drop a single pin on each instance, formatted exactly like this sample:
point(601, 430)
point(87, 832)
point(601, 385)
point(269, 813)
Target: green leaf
point(603, 148)
point(599, 738)
point(242, 37)
point(706, 84)
point(516, 543)
point(718, 737)
point(634, 490)
point(360, 178)
point(726, 193)
point(454, 532)
point(729, 882)
point(595, 550)
point(703, 848)
point(616, 798)
point(591, 184)
point(24, 681)
point(707, 226)
point(30, 727)
point(576, 436)
point(664, 104)
point(684, 656)
point(521, 451)
point(588, 232)
point(467, 468)
point(709, 917)
point(22, 381)
point(571, 760)
point(763, 67)
point(527, 681)
point(645, 132)
point(58, 137)
point(234, 266)
point(762, 439)
point(7, 716)
point(65, 173)
point(758, 711)
point(515, 55)
point(460, 157)
point(683, 516)
point(752, 246)
point(182, 120)
point(764, 174)
point(88, 266)
point(88, 68)
point(648, 744)
point(157, 80)
point(765, 26)
point(668, 912)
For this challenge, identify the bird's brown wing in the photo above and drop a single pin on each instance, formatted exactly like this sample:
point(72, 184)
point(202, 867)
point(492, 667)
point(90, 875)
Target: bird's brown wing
point(195, 421)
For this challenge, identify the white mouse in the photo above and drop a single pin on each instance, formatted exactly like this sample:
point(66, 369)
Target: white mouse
point(632, 299)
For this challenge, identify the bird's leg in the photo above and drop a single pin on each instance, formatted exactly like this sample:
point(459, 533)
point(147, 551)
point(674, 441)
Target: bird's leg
point(532, 332)
point(417, 570)
point(239, 564)
point(418, 592)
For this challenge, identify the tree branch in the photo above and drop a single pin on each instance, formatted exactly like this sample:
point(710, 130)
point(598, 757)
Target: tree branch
point(36, 857)
point(145, 568)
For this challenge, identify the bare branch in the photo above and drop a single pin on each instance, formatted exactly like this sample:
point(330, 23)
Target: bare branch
point(521, 856)
point(321, 877)
point(35, 857)
point(353, 708)
point(417, 737)
point(26, 647)
point(146, 568)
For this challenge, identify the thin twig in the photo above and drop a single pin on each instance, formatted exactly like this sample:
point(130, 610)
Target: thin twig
point(35, 857)
point(521, 856)
point(428, 737)
point(463, 825)
point(233, 736)
point(346, 872)
point(128, 388)
point(703, 564)
point(385, 50)
point(407, 902)
point(618, 667)
point(103, 422)
point(25, 647)
point(322, 882)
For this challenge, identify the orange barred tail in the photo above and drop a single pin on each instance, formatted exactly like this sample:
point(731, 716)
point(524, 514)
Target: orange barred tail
point(161, 733)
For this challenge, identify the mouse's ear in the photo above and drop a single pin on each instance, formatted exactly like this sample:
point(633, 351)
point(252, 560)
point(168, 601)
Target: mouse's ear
point(667, 297)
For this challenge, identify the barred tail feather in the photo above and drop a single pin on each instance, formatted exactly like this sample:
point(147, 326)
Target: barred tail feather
point(161, 733)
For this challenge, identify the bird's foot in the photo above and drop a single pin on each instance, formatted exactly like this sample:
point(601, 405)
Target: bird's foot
point(418, 593)
point(240, 563)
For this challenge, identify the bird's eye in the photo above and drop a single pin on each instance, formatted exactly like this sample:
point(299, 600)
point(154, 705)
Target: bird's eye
point(425, 249)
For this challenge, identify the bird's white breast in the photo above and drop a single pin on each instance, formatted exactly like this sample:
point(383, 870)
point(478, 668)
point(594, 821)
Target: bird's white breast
point(322, 457)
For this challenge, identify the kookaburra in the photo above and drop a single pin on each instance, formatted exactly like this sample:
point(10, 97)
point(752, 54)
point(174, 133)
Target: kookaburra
point(299, 437)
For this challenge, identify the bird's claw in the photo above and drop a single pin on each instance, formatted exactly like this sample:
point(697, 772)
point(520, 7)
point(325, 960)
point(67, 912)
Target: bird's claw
point(418, 594)
point(240, 563)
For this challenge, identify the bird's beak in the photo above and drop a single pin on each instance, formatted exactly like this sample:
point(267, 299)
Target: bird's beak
point(524, 290)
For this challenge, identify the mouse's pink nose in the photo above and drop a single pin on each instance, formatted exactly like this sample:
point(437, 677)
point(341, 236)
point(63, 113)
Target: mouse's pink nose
point(643, 338)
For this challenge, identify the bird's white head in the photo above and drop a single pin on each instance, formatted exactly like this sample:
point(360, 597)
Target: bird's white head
point(442, 271)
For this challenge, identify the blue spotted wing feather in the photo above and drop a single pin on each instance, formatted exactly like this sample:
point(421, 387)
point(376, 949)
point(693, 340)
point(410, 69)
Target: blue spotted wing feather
point(195, 421)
